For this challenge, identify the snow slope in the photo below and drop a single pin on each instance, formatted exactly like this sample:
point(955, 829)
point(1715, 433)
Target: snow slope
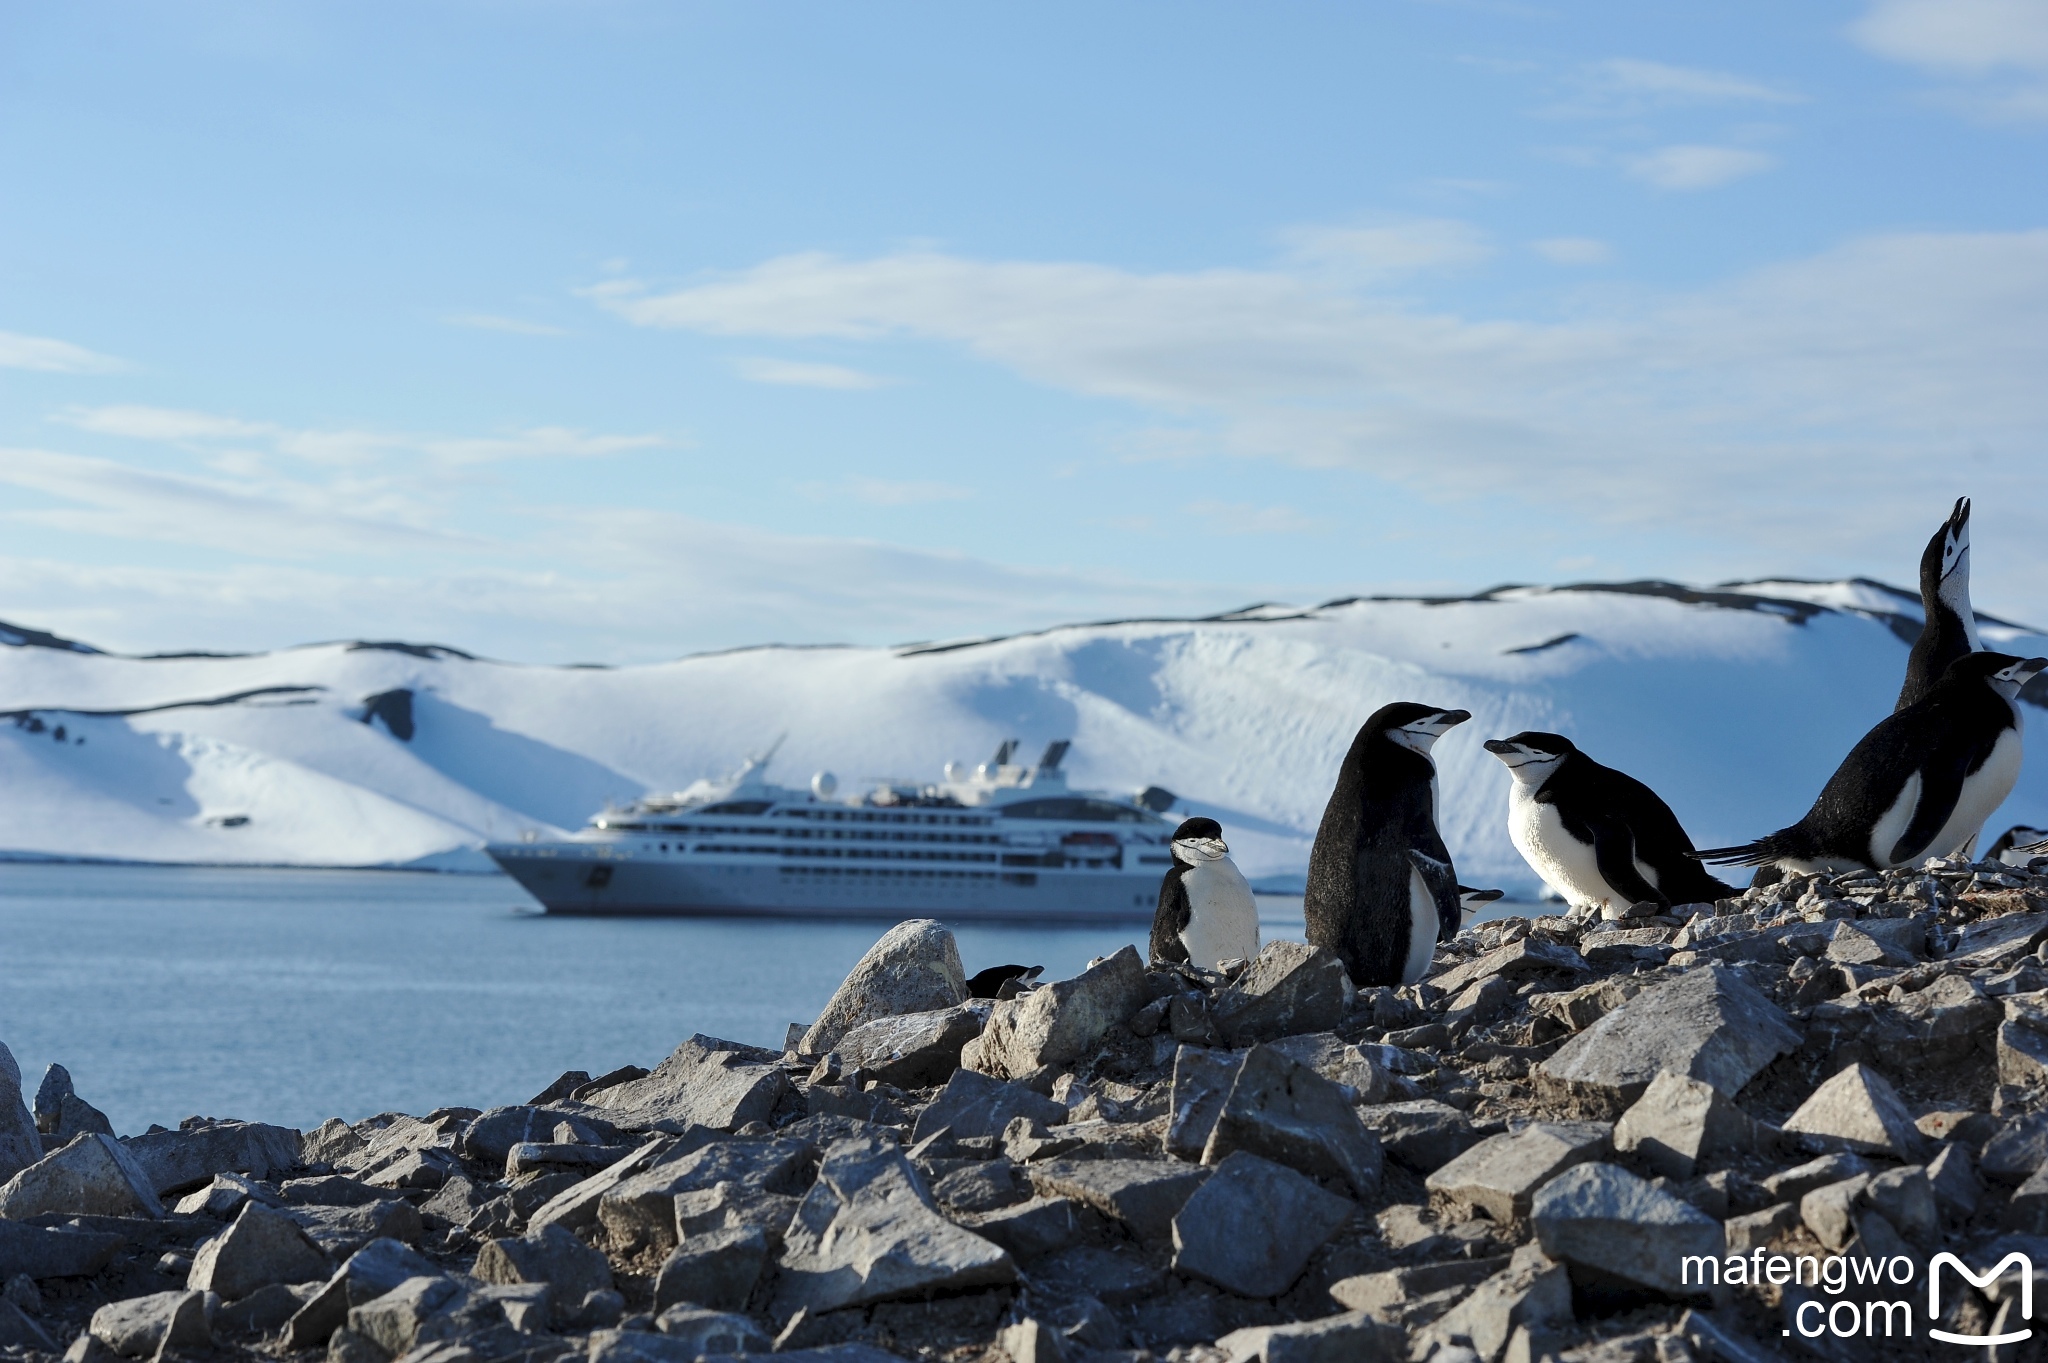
point(1734, 703)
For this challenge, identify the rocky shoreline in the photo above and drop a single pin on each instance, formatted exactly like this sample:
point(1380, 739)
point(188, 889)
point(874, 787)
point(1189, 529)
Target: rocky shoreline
point(1541, 1151)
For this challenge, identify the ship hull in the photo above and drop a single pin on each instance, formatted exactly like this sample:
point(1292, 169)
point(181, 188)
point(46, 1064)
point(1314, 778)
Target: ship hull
point(596, 880)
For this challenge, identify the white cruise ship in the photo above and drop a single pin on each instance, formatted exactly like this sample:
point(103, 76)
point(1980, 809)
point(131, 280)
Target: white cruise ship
point(998, 841)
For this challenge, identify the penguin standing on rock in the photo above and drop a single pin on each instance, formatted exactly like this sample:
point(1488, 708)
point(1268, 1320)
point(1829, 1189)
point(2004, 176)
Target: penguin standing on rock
point(1381, 888)
point(1920, 784)
point(1950, 630)
point(1206, 912)
point(2018, 845)
point(1597, 836)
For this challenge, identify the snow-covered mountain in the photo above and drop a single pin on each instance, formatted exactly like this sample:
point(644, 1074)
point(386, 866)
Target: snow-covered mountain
point(1735, 703)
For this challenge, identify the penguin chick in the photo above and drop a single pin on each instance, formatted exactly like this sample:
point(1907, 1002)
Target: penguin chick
point(1949, 628)
point(1381, 888)
point(1919, 784)
point(1597, 836)
point(1206, 911)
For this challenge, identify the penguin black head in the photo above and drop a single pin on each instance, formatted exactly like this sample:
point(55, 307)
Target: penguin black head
point(1948, 553)
point(1414, 726)
point(2003, 672)
point(1532, 755)
point(1199, 840)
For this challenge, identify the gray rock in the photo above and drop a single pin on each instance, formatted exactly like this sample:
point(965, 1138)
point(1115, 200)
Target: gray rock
point(1290, 988)
point(914, 1050)
point(1030, 1229)
point(1829, 1211)
point(455, 1203)
point(1422, 1135)
point(1117, 1277)
point(1343, 1064)
point(640, 1212)
point(914, 968)
point(551, 1255)
point(92, 1176)
point(264, 1311)
point(1850, 945)
point(1202, 1078)
point(1860, 1109)
point(1251, 1228)
point(641, 1346)
point(982, 1186)
point(727, 1206)
point(1707, 1024)
point(396, 1139)
point(369, 1273)
point(223, 1197)
point(1955, 1185)
point(417, 1311)
point(54, 1252)
point(704, 1082)
point(1393, 1293)
point(1758, 1229)
point(527, 1307)
point(1352, 1338)
point(22, 1291)
point(1532, 1292)
point(2022, 1055)
point(1032, 1341)
point(1795, 1183)
point(1058, 1023)
point(191, 1156)
point(69, 1116)
point(341, 1231)
point(713, 1332)
point(1144, 1195)
point(974, 1104)
point(327, 1190)
point(140, 1326)
point(262, 1247)
point(1286, 1112)
point(1905, 1199)
point(18, 1330)
point(1501, 1174)
point(2016, 1150)
point(1602, 1217)
point(20, 1143)
point(576, 1206)
point(335, 1139)
point(716, 1269)
point(415, 1170)
point(1515, 961)
point(1678, 1121)
point(489, 1137)
point(867, 1231)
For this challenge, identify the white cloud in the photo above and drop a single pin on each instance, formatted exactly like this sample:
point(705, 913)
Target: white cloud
point(1373, 251)
point(1847, 380)
point(1243, 518)
point(884, 492)
point(1690, 167)
point(801, 374)
point(1684, 84)
point(162, 423)
point(1996, 50)
point(1573, 250)
point(50, 356)
point(486, 321)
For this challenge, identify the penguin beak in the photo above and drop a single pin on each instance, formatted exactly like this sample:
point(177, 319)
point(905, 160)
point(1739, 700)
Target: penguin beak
point(1451, 717)
point(2027, 670)
point(1500, 747)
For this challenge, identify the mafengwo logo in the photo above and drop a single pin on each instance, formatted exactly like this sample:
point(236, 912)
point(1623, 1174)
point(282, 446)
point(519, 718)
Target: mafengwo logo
point(1982, 1282)
point(1862, 1315)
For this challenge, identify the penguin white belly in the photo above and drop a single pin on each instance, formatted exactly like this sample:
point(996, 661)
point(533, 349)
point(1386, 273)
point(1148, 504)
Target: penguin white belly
point(1984, 790)
point(1891, 825)
point(1566, 864)
point(1422, 928)
point(1223, 918)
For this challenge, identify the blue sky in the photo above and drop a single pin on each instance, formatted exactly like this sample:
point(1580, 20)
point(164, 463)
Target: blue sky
point(614, 331)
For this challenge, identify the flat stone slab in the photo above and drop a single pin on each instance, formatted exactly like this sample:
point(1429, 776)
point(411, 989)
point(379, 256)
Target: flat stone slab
point(1708, 1024)
point(191, 1156)
point(914, 1050)
point(1144, 1195)
point(92, 1176)
point(703, 1082)
point(54, 1252)
point(1252, 1227)
point(1679, 1121)
point(1516, 960)
point(974, 1104)
point(1281, 1109)
point(1859, 1108)
point(260, 1249)
point(1202, 1078)
point(1060, 1022)
point(1423, 1134)
point(1288, 989)
point(1502, 1173)
point(1602, 1217)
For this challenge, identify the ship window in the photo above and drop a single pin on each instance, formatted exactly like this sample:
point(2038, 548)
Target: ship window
point(739, 807)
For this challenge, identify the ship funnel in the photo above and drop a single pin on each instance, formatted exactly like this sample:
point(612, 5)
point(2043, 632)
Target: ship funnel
point(1003, 754)
point(1055, 751)
point(824, 785)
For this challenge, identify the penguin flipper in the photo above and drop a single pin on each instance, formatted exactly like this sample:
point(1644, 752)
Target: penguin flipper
point(1941, 785)
point(1614, 852)
point(1170, 921)
point(1443, 887)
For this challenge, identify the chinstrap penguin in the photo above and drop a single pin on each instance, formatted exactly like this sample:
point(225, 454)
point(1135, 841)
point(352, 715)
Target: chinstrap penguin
point(1206, 912)
point(988, 984)
point(2018, 845)
point(1919, 784)
point(1950, 630)
point(1381, 888)
point(1597, 836)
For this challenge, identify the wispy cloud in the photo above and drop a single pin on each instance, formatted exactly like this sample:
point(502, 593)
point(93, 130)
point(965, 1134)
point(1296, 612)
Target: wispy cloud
point(1244, 518)
point(884, 492)
point(49, 356)
point(342, 447)
point(1694, 167)
point(1573, 250)
point(805, 374)
point(1994, 51)
point(1664, 83)
point(1653, 412)
point(487, 321)
point(1384, 250)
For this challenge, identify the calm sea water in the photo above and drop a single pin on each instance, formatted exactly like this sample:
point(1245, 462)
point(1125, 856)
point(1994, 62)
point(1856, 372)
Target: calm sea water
point(293, 996)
